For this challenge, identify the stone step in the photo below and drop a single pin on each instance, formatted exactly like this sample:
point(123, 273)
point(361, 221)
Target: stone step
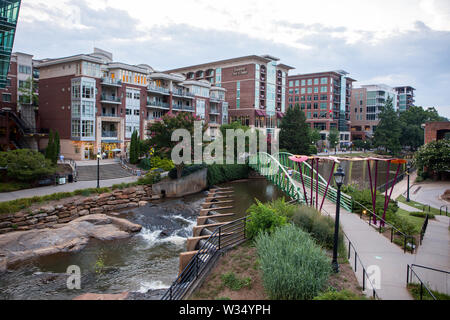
point(107, 172)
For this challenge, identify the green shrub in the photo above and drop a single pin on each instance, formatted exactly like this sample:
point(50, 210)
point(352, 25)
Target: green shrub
point(231, 281)
point(14, 186)
point(422, 215)
point(263, 218)
point(150, 178)
point(187, 170)
point(293, 266)
point(339, 295)
point(218, 174)
point(404, 225)
point(320, 227)
point(26, 165)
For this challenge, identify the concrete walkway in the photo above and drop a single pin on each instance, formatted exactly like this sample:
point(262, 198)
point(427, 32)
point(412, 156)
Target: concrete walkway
point(43, 191)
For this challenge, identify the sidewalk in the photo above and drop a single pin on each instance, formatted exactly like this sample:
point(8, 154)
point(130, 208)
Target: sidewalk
point(70, 187)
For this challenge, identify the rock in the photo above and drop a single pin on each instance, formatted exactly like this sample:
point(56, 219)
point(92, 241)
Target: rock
point(5, 224)
point(109, 297)
point(48, 209)
point(142, 203)
point(83, 213)
point(24, 245)
point(96, 210)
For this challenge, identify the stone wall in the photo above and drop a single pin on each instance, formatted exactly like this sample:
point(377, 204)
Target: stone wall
point(53, 216)
point(191, 184)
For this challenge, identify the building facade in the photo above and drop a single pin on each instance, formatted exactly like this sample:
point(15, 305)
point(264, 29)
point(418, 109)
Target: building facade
point(325, 99)
point(96, 104)
point(406, 97)
point(256, 88)
point(9, 14)
point(366, 105)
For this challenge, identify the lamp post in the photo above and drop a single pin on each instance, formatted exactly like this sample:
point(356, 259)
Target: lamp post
point(408, 172)
point(98, 170)
point(339, 179)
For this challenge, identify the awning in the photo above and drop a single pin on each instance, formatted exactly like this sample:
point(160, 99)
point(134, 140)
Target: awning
point(261, 113)
point(280, 114)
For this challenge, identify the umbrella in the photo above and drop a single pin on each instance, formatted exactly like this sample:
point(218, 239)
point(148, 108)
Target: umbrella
point(116, 150)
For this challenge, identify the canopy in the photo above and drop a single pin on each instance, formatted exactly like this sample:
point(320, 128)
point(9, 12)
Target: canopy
point(299, 159)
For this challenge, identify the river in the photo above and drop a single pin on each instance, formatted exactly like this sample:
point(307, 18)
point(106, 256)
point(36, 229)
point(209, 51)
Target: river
point(145, 262)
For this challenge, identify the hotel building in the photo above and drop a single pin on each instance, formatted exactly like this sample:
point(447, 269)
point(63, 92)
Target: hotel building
point(256, 87)
point(366, 105)
point(96, 104)
point(325, 99)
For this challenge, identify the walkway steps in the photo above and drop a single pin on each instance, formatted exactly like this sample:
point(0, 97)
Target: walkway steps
point(107, 172)
point(201, 220)
point(206, 205)
point(198, 229)
point(205, 212)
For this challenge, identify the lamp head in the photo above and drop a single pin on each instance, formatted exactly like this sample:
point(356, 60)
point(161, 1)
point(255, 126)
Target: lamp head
point(339, 176)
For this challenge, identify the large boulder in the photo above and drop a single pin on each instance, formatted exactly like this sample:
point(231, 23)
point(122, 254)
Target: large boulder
point(74, 236)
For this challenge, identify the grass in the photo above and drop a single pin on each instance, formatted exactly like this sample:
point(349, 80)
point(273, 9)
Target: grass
point(416, 221)
point(14, 186)
point(232, 282)
point(414, 289)
point(418, 205)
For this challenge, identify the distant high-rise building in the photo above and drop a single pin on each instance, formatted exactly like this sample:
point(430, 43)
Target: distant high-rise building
point(405, 97)
point(9, 13)
point(366, 105)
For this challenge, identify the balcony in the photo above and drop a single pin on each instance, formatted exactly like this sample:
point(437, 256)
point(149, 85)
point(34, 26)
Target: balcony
point(179, 107)
point(110, 134)
point(110, 99)
point(110, 115)
point(158, 105)
point(111, 82)
point(156, 89)
point(214, 111)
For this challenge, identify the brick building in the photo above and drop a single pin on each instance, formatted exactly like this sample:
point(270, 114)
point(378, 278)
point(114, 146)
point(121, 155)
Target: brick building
point(325, 99)
point(256, 87)
point(436, 131)
point(96, 104)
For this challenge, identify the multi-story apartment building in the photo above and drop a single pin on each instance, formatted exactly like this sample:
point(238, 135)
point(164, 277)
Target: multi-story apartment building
point(96, 104)
point(366, 105)
point(9, 14)
point(405, 97)
point(325, 99)
point(256, 87)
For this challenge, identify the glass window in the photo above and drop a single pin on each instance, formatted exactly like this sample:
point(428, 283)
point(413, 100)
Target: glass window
point(291, 83)
point(297, 83)
point(324, 81)
point(316, 81)
point(303, 83)
point(323, 89)
point(75, 128)
point(316, 89)
point(309, 82)
point(309, 90)
point(6, 97)
point(303, 90)
point(76, 110)
point(87, 128)
point(88, 109)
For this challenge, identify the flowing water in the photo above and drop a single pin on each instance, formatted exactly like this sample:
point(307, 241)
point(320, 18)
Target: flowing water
point(145, 262)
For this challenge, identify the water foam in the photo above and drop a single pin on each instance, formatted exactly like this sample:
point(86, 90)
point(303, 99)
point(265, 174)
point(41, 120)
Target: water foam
point(152, 285)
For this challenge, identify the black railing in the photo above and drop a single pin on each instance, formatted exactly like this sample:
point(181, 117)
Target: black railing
point(412, 275)
point(446, 210)
point(383, 225)
point(223, 238)
point(424, 228)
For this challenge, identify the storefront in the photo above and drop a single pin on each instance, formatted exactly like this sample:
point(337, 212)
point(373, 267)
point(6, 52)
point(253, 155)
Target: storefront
point(110, 149)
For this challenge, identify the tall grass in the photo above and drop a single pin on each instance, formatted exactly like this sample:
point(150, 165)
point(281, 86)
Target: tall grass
point(293, 266)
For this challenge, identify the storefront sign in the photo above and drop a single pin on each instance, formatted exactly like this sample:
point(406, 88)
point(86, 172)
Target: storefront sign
point(239, 71)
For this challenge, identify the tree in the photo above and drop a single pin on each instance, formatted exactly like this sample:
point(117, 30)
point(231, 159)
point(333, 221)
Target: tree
point(57, 144)
point(236, 125)
point(388, 132)
point(134, 148)
point(26, 165)
point(51, 152)
point(333, 139)
point(295, 133)
point(29, 92)
point(433, 158)
point(161, 135)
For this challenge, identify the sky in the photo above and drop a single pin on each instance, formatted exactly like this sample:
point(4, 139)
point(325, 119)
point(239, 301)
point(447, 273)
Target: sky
point(393, 42)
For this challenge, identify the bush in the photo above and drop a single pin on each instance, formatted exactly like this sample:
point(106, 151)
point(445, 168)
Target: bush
point(156, 163)
point(339, 295)
point(223, 173)
point(187, 170)
point(293, 266)
point(422, 215)
point(320, 227)
point(263, 218)
point(149, 179)
point(26, 165)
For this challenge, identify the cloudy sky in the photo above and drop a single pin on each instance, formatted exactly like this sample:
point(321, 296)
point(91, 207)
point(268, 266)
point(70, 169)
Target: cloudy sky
point(396, 42)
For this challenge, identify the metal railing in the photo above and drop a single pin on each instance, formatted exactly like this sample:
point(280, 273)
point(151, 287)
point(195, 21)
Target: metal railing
point(446, 210)
point(110, 98)
point(158, 89)
point(412, 275)
point(383, 225)
point(223, 238)
point(424, 228)
point(158, 104)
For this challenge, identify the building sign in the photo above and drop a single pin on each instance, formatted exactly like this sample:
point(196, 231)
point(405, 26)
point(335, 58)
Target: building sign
point(239, 71)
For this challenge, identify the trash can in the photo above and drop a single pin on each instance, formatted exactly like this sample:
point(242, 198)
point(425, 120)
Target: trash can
point(70, 178)
point(138, 173)
point(62, 180)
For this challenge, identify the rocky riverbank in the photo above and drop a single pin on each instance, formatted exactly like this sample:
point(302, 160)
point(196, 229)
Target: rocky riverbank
point(18, 246)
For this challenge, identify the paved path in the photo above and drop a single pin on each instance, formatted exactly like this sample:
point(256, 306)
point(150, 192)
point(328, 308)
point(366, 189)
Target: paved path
point(429, 193)
point(8, 196)
point(435, 253)
point(374, 250)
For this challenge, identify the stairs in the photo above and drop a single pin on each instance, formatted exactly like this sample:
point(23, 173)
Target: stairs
point(107, 172)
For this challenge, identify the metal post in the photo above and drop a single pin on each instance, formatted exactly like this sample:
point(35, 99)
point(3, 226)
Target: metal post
point(98, 171)
point(364, 280)
point(407, 192)
point(336, 231)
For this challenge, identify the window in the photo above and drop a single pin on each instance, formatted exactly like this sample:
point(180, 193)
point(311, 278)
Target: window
point(137, 96)
point(297, 90)
point(291, 83)
point(323, 89)
point(136, 112)
point(6, 97)
point(308, 115)
point(76, 111)
point(88, 109)
point(316, 89)
point(87, 91)
point(323, 97)
point(302, 106)
point(75, 128)
point(303, 90)
point(323, 106)
point(297, 83)
point(308, 106)
point(129, 112)
point(309, 82)
point(303, 98)
point(87, 128)
point(324, 81)
point(309, 90)
point(316, 98)
point(309, 98)
point(303, 83)
point(24, 69)
point(238, 95)
point(297, 99)
point(75, 91)
point(316, 81)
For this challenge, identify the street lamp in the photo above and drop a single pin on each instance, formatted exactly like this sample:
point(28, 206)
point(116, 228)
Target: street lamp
point(408, 172)
point(98, 170)
point(339, 179)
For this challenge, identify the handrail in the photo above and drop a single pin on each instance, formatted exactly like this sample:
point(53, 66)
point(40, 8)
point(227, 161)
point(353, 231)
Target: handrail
point(429, 268)
point(222, 238)
point(424, 228)
point(384, 222)
point(409, 274)
point(358, 258)
point(446, 210)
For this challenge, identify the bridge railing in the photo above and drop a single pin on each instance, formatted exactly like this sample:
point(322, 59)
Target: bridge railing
point(346, 200)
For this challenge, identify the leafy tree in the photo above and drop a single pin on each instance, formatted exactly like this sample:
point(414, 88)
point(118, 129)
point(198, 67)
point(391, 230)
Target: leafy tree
point(52, 149)
point(295, 133)
point(134, 148)
point(29, 92)
point(434, 157)
point(388, 132)
point(26, 165)
point(333, 139)
point(57, 144)
point(236, 125)
point(161, 134)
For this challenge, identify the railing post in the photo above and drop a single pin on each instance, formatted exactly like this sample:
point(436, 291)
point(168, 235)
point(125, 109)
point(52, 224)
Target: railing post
point(404, 244)
point(356, 261)
point(407, 275)
point(349, 249)
point(220, 235)
point(364, 279)
point(421, 290)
